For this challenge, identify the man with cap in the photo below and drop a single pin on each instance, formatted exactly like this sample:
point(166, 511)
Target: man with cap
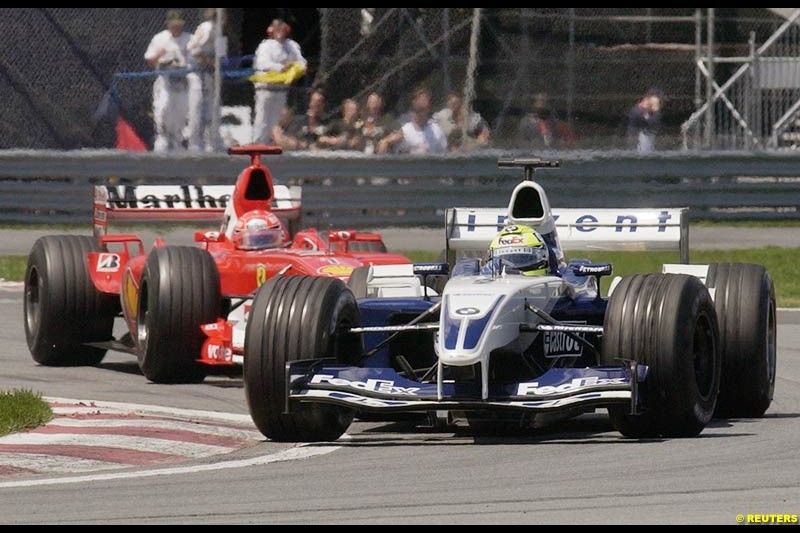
point(277, 63)
point(168, 52)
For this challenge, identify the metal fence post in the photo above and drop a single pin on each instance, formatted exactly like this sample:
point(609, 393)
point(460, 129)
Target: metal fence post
point(710, 125)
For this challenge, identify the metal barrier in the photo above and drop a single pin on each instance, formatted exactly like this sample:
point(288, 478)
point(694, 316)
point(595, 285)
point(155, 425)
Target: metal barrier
point(363, 192)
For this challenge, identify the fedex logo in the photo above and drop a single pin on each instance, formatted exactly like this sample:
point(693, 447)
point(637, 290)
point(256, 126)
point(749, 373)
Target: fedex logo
point(511, 240)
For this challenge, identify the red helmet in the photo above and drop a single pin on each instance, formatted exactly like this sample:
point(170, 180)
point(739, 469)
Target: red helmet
point(258, 230)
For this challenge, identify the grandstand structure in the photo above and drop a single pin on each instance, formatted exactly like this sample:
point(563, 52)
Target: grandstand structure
point(68, 73)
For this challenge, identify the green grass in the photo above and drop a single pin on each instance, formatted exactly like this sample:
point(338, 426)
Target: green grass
point(21, 410)
point(12, 267)
point(783, 264)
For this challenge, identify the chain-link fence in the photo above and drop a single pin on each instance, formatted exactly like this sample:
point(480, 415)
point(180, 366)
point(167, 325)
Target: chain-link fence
point(67, 72)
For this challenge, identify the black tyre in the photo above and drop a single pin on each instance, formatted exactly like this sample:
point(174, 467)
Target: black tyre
point(63, 309)
point(293, 318)
point(745, 302)
point(358, 282)
point(179, 292)
point(668, 323)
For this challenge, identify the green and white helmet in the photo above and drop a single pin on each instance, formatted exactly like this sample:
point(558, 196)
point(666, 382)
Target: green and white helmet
point(519, 249)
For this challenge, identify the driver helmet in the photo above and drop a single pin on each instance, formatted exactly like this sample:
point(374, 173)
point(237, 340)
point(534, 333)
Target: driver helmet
point(519, 250)
point(258, 230)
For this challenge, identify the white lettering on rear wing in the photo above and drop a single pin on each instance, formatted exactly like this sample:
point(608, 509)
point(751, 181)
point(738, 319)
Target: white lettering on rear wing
point(472, 229)
point(195, 203)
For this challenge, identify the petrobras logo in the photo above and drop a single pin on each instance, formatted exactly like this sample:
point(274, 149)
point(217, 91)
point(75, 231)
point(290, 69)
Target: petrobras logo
point(381, 386)
point(575, 386)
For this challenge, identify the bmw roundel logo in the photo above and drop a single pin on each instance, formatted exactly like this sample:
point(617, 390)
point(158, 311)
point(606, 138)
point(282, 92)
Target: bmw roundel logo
point(467, 311)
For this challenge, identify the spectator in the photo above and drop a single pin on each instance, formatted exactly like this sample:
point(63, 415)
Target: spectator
point(278, 63)
point(644, 122)
point(453, 121)
point(280, 134)
point(168, 51)
point(539, 128)
point(378, 126)
point(421, 135)
point(304, 131)
point(202, 51)
point(345, 133)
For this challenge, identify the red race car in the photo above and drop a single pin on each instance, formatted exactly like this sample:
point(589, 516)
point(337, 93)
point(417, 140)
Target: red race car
point(184, 306)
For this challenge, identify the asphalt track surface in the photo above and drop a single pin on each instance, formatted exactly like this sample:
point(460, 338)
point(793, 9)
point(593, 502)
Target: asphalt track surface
point(581, 471)
point(577, 472)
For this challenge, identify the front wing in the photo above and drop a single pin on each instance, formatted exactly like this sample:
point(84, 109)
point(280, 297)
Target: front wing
point(383, 389)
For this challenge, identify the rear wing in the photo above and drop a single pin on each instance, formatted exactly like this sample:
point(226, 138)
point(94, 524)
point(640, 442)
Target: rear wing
point(187, 203)
point(472, 229)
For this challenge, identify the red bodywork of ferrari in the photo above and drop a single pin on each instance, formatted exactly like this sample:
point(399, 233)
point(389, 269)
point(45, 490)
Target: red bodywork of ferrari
point(118, 267)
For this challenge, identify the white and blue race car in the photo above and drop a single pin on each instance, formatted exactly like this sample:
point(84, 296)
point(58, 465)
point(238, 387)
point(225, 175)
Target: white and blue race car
point(663, 352)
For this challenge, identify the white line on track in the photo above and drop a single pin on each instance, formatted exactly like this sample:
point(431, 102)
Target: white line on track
point(292, 454)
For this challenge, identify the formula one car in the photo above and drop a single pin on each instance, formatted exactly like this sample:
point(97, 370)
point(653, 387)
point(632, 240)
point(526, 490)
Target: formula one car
point(507, 351)
point(181, 304)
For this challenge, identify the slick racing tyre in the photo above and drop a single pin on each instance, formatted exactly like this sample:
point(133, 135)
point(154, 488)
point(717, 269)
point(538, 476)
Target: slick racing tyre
point(63, 309)
point(744, 298)
point(293, 318)
point(668, 323)
point(179, 292)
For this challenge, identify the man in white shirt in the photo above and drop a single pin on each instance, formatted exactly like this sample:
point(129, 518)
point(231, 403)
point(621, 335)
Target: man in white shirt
point(168, 51)
point(422, 135)
point(274, 54)
point(202, 52)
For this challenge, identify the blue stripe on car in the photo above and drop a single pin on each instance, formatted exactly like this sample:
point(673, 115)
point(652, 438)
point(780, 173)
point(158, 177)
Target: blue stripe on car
point(475, 328)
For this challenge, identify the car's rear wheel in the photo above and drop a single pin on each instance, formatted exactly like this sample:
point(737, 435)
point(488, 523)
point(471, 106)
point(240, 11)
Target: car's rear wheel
point(744, 297)
point(668, 323)
point(179, 292)
point(294, 318)
point(63, 309)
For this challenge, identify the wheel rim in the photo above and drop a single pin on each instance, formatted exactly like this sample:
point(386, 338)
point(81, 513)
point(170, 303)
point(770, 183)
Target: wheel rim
point(771, 344)
point(141, 319)
point(33, 308)
point(704, 356)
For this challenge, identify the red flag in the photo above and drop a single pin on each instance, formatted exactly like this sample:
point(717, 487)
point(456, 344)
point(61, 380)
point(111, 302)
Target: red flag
point(127, 139)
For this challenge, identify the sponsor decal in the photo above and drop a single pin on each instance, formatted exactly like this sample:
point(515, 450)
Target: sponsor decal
point(590, 270)
point(261, 275)
point(559, 344)
point(182, 197)
point(336, 271)
point(468, 311)
point(108, 263)
point(533, 389)
point(130, 295)
point(511, 240)
point(373, 385)
point(587, 223)
point(215, 352)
